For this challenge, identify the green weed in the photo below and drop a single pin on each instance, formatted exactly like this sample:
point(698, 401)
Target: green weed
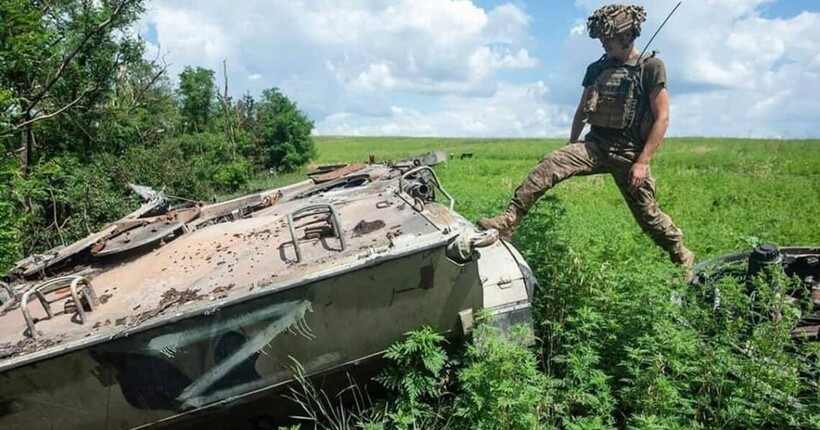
point(624, 343)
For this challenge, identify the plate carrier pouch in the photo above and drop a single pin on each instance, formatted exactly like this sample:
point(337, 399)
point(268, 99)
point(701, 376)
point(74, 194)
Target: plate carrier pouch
point(616, 95)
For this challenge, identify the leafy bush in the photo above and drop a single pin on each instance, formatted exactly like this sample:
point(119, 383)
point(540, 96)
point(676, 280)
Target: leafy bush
point(638, 349)
point(750, 372)
point(10, 217)
point(194, 166)
point(624, 343)
point(500, 385)
point(65, 199)
point(418, 373)
point(232, 176)
point(282, 132)
point(494, 384)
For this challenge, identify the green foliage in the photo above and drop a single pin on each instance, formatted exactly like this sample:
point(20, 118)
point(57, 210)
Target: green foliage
point(624, 343)
point(495, 384)
point(65, 199)
point(196, 93)
point(282, 132)
point(163, 167)
point(751, 373)
point(59, 60)
point(232, 176)
point(10, 217)
point(501, 386)
point(86, 114)
point(9, 251)
point(141, 113)
point(417, 373)
point(209, 156)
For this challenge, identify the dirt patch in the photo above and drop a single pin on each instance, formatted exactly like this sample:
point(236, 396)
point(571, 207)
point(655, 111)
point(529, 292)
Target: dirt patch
point(99, 324)
point(6, 350)
point(174, 297)
point(170, 298)
point(366, 227)
point(27, 346)
point(104, 298)
point(222, 292)
point(395, 231)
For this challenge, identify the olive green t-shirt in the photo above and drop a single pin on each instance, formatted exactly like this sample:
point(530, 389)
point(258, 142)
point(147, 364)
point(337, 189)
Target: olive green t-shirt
point(634, 138)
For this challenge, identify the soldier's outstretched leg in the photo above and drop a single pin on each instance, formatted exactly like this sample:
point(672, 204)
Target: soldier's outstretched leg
point(575, 159)
point(644, 207)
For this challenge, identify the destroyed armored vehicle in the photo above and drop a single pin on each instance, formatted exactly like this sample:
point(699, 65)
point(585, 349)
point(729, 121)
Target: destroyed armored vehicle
point(763, 264)
point(174, 312)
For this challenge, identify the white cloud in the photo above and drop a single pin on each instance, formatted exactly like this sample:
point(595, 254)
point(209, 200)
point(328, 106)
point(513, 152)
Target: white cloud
point(512, 111)
point(347, 49)
point(435, 67)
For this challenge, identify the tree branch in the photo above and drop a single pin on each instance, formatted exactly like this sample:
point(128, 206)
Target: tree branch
point(97, 85)
point(224, 101)
point(58, 111)
point(70, 56)
point(54, 211)
point(45, 8)
point(138, 95)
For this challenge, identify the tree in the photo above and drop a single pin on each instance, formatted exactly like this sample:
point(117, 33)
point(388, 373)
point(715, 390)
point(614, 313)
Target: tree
point(10, 218)
point(282, 132)
point(85, 113)
point(141, 109)
point(60, 65)
point(246, 112)
point(196, 94)
point(59, 57)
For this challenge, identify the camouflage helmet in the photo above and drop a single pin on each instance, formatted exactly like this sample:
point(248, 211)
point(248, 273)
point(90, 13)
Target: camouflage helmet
point(615, 19)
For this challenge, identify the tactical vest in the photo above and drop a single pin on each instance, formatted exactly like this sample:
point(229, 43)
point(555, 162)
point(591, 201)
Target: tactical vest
point(617, 95)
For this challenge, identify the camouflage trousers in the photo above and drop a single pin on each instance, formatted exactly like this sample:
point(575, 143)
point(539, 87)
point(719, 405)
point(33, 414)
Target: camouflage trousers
point(587, 158)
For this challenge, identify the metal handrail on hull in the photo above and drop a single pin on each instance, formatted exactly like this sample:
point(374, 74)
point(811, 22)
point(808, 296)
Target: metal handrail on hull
point(72, 282)
point(314, 210)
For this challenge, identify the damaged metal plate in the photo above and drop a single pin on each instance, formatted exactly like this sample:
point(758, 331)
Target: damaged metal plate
point(337, 173)
point(801, 264)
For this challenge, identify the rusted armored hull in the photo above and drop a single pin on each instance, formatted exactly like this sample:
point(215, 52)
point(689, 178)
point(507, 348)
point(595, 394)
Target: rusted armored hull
point(800, 264)
point(218, 314)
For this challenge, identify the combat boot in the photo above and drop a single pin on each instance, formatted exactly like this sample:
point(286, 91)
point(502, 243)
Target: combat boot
point(683, 256)
point(505, 222)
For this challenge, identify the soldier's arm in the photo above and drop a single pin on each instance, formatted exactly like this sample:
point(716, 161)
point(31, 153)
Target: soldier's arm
point(659, 102)
point(578, 118)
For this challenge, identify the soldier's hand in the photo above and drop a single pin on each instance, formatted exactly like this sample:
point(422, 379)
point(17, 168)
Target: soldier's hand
point(638, 174)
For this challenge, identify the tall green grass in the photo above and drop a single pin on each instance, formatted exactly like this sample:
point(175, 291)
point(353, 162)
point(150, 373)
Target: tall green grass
point(614, 350)
point(723, 193)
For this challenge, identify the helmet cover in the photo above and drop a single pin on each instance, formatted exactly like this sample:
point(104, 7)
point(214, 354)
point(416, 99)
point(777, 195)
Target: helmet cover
point(615, 19)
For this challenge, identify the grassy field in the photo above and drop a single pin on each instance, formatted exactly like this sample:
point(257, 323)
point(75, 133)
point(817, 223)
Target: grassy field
point(613, 350)
point(723, 193)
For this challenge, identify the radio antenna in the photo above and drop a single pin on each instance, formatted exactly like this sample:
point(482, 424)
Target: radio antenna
point(659, 28)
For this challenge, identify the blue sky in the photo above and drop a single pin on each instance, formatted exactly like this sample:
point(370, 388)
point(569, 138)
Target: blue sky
point(746, 68)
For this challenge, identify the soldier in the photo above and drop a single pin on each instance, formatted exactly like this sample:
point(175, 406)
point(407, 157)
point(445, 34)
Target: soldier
point(626, 103)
